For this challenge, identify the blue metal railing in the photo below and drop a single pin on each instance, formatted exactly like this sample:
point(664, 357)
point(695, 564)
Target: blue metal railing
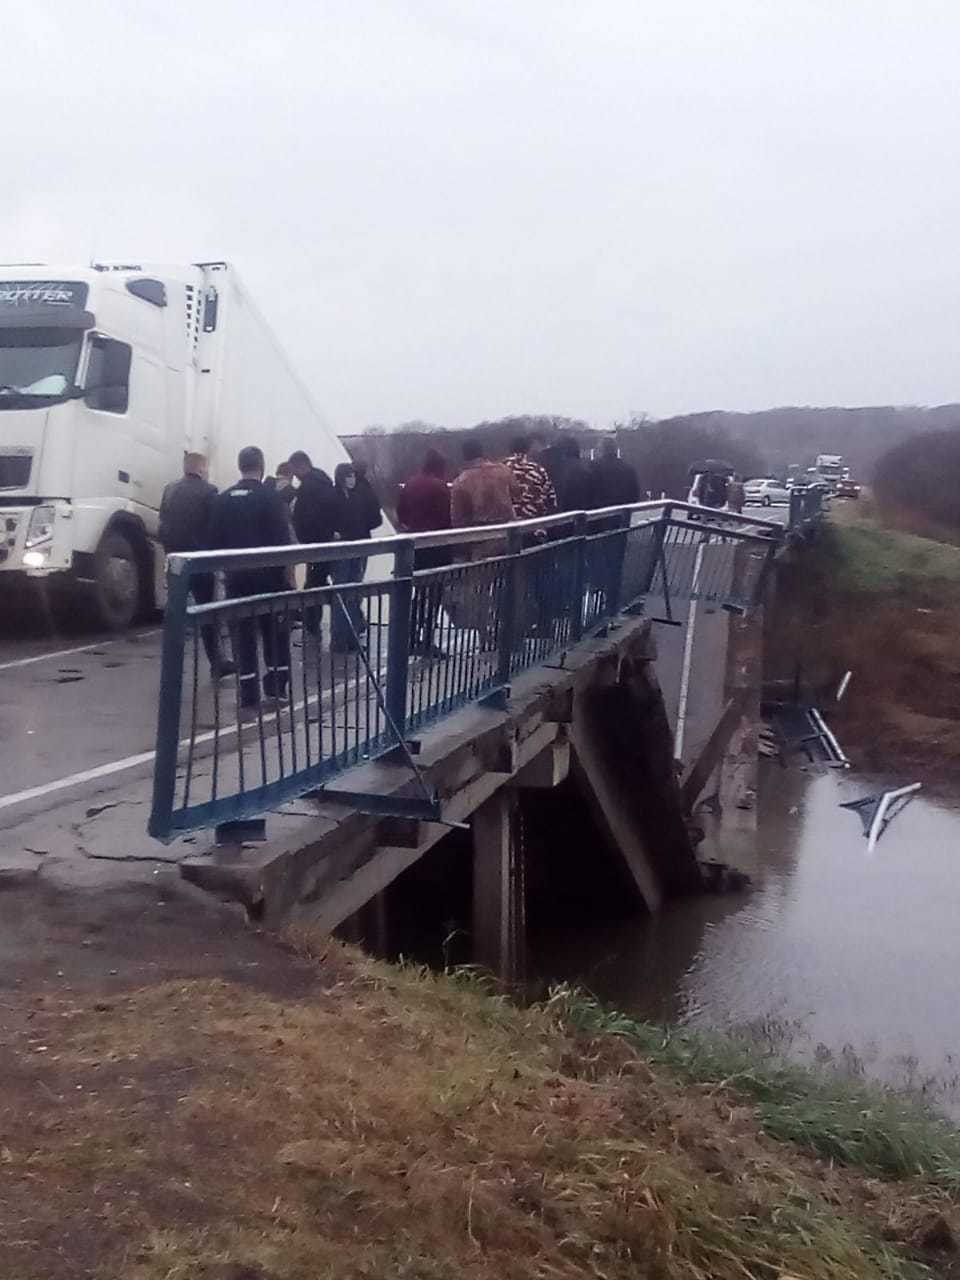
point(348, 671)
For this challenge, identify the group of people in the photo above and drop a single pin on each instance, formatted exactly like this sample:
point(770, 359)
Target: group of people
point(534, 480)
point(302, 504)
point(719, 489)
point(299, 504)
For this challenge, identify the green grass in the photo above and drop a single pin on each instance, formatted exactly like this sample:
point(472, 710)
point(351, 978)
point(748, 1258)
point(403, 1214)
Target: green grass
point(862, 557)
point(864, 1126)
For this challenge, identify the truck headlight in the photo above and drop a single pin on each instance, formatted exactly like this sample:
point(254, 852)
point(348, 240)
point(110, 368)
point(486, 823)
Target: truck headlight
point(40, 528)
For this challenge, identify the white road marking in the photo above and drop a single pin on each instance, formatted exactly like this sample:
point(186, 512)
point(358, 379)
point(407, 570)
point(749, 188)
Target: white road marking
point(66, 653)
point(687, 656)
point(88, 775)
point(145, 757)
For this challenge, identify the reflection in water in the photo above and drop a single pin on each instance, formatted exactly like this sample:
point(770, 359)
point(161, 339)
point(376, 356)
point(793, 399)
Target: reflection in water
point(834, 956)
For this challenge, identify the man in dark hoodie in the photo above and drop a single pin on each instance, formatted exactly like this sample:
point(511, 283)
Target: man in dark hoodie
point(314, 520)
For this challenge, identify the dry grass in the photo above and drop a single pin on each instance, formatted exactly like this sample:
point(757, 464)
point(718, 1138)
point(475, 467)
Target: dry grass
point(395, 1124)
point(885, 605)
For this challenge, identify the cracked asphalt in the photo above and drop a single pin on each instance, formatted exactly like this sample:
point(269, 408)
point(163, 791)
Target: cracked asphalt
point(84, 892)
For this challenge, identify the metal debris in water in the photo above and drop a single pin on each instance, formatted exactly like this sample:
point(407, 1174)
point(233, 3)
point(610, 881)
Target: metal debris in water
point(803, 728)
point(878, 810)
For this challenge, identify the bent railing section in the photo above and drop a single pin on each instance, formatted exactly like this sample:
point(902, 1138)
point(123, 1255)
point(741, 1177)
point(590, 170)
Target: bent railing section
point(348, 672)
point(808, 506)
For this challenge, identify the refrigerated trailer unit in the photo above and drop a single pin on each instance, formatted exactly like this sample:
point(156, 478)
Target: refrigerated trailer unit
point(107, 375)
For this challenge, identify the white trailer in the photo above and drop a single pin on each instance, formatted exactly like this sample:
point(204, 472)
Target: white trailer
point(107, 375)
point(830, 469)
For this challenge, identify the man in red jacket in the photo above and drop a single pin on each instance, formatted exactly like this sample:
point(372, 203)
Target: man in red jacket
point(423, 506)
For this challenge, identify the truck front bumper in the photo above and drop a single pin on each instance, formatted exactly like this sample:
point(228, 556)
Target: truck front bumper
point(35, 540)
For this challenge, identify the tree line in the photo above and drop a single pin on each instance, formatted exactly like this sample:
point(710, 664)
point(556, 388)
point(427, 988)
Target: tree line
point(662, 451)
point(917, 483)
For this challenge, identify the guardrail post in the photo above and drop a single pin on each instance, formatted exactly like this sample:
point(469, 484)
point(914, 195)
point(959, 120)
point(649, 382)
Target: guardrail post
point(658, 559)
point(508, 608)
point(579, 577)
point(614, 593)
point(171, 693)
point(765, 571)
point(398, 646)
point(796, 504)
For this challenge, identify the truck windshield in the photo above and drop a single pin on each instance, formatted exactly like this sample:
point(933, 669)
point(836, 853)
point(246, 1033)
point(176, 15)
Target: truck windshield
point(37, 365)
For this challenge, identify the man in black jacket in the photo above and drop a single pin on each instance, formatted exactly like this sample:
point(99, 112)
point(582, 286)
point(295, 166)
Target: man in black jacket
point(374, 517)
point(568, 473)
point(184, 521)
point(250, 515)
point(614, 481)
point(314, 520)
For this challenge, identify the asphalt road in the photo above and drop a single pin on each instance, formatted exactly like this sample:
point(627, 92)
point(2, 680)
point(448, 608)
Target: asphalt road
point(71, 705)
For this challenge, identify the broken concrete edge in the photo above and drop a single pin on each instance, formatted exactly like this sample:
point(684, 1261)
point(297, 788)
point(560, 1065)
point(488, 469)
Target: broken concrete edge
point(326, 866)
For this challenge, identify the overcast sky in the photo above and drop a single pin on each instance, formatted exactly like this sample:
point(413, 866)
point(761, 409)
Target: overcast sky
point(459, 209)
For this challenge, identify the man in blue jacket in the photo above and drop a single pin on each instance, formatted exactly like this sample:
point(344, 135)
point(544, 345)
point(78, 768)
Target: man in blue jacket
point(249, 514)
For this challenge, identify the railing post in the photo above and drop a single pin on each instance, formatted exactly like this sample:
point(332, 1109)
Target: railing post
point(658, 559)
point(579, 577)
point(508, 608)
point(398, 646)
point(171, 693)
point(764, 571)
point(618, 560)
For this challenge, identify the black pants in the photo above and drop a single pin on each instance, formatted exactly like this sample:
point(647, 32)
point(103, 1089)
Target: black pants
point(274, 636)
point(203, 588)
point(318, 575)
point(427, 596)
point(345, 635)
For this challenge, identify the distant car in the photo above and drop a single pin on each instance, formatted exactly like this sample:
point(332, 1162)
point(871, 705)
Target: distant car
point(846, 489)
point(703, 483)
point(766, 492)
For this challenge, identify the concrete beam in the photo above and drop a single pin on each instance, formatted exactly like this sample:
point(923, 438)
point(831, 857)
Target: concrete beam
point(624, 754)
point(498, 905)
point(613, 816)
point(547, 770)
point(713, 751)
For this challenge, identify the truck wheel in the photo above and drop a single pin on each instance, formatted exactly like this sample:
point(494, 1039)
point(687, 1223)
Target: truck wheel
point(116, 590)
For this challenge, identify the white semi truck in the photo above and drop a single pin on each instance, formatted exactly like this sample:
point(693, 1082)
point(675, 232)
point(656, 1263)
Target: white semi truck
point(107, 375)
point(830, 469)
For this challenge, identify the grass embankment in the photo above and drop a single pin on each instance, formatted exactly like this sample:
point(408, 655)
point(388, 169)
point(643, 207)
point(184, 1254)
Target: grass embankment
point(387, 1123)
point(885, 605)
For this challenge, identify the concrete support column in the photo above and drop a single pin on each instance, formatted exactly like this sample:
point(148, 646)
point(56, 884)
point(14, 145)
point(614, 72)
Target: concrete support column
point(499, 910)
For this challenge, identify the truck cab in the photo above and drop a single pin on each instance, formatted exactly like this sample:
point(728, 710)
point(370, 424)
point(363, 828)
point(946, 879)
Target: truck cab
point(96, 378)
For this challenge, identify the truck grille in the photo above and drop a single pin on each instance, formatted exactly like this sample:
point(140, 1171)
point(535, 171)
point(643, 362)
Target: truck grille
point(15, 470)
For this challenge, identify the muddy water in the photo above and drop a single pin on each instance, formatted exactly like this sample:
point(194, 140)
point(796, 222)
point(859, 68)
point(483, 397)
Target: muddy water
point(835, 955)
